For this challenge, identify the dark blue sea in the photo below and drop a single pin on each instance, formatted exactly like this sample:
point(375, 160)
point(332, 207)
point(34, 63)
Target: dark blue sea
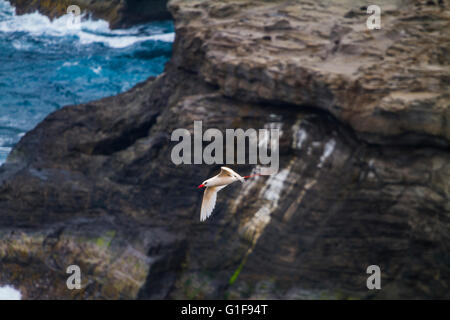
point(45, 65)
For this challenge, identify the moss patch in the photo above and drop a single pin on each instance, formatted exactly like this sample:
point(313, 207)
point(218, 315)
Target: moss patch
point(238, 271)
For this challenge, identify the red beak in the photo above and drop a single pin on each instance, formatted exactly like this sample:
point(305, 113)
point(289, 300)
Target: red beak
point(200, 186)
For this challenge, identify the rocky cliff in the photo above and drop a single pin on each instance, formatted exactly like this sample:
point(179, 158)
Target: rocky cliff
point(364, 164)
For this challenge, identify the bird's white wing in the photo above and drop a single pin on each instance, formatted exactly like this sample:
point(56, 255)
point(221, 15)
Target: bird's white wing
point(209, 201)
point(224, 171)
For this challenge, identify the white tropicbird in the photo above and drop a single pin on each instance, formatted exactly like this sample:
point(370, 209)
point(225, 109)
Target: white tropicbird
point(214, 185)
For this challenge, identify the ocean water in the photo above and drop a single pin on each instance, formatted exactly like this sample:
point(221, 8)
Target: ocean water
point(45, 65)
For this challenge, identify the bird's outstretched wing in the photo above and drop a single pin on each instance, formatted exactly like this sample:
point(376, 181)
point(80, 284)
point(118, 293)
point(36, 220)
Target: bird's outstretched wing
point(224, 171)
point(209, 201)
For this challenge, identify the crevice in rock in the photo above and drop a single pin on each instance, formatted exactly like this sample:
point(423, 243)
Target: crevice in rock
point(124, 140)
point(418, 141)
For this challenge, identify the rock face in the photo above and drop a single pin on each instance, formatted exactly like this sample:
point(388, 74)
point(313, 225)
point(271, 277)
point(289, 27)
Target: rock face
point(390, 85)
point(119, 13)
point(364, 173)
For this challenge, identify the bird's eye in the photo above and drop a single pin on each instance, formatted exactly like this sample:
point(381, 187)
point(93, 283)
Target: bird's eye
point(205, 183)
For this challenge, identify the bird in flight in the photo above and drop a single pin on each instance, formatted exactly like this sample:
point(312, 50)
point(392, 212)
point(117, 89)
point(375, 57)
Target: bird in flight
point(214, 185)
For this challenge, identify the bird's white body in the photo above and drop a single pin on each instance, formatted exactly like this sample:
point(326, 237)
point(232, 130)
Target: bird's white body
point(214, 185)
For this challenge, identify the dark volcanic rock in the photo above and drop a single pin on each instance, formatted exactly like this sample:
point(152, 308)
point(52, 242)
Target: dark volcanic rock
point(119, 13)
point(94, 185)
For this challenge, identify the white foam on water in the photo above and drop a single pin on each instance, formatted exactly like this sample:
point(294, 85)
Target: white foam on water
point(4, 151)
point(121, 41)
point(20, 45)
point(70, 64)
point(97, 70)
point(9, 293)
point(87, 30)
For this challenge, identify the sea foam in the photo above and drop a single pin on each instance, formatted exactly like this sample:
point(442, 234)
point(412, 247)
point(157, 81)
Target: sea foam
point(87, 31)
